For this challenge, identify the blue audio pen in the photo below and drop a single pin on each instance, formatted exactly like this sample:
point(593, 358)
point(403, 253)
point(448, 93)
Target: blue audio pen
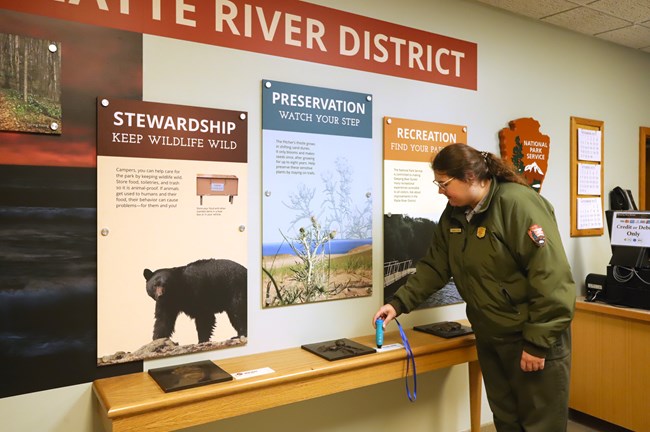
point(379, 332)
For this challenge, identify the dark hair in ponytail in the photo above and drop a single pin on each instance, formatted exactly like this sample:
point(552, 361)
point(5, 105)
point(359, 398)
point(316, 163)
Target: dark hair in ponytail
point(466, 163)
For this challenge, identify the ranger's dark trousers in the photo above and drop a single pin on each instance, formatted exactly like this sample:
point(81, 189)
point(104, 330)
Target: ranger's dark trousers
point(526, 401)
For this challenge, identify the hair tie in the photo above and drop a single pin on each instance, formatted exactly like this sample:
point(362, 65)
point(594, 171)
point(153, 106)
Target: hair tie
point(485, 155)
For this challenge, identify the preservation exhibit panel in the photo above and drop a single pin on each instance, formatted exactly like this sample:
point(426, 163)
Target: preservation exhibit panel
point(317, 203)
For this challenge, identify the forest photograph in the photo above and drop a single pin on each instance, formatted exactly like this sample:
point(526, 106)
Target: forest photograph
point(30, 85)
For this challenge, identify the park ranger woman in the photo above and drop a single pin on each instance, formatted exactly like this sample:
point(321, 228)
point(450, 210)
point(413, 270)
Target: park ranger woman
point(499, 240)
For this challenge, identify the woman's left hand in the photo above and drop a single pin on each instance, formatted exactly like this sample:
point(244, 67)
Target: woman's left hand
point(530, 363)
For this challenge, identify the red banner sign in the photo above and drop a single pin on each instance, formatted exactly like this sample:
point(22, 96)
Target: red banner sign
point(291, 28)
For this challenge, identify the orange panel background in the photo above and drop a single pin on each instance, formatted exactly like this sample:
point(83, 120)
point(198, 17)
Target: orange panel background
point(401, 142)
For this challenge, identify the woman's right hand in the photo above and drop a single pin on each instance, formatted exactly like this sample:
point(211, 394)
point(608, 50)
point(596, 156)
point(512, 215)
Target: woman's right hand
point(386, 312)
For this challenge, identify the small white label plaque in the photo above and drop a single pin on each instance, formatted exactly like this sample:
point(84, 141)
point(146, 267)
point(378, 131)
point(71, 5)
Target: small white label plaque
point(253, 373)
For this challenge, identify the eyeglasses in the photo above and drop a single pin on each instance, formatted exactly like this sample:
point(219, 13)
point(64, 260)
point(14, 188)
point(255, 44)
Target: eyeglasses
point(443, 185)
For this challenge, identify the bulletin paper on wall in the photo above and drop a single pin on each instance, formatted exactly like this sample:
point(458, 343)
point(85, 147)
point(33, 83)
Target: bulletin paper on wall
point(589, 145)
point(172, 185)
point(589, 211)
point(317, 203)
point(412, 204)
point(589, 179)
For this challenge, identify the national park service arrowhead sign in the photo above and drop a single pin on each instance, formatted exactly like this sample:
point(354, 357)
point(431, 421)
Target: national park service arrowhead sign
point(527, 148)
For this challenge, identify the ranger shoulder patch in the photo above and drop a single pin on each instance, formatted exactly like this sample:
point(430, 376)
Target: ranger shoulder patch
point(536, 233)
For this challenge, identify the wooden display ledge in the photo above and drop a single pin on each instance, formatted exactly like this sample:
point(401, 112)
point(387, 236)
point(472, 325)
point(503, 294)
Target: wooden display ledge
point(134, 402)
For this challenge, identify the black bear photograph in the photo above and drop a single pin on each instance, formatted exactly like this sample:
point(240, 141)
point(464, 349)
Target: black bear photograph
point(200, 290)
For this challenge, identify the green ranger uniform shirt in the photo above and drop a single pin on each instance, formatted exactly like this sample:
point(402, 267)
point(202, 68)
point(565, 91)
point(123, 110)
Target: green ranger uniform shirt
point(508, 264)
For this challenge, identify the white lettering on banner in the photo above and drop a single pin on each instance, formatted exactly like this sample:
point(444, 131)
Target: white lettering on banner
point(291, 28)
point(456, 54)
point(181, 8)
point(350, 45)
point(227, 12)
point(101, 4)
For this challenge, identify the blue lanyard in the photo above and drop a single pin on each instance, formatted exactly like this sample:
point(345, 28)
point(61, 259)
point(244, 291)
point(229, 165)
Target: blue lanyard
point(410, 359)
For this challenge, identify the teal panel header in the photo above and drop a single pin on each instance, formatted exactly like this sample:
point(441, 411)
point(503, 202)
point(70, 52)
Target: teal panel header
point(300, 108)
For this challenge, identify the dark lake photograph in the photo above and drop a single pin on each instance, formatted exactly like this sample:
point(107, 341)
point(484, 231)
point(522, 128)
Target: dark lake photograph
point(48, 257)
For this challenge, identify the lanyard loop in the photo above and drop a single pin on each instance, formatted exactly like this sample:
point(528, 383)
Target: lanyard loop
point(410, 360)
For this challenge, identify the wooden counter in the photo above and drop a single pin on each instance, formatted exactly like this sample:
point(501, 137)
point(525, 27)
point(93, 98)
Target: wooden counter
point(610, 374)
point(135, 402)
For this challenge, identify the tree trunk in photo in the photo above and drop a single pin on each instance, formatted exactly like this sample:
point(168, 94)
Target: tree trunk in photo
point(25, 71)
point(6, 60)
point(53, 88)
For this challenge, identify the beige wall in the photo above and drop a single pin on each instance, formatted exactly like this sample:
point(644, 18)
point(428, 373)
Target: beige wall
point(525, 69)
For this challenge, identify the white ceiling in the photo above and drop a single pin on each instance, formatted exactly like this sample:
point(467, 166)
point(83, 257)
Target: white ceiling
point(624, 22)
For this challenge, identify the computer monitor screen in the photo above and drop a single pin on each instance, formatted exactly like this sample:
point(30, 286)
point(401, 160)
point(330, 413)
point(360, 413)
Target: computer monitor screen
point(629, 233)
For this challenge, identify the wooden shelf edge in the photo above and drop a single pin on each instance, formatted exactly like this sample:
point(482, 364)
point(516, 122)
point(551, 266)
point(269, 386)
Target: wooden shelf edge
point(613, 310)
